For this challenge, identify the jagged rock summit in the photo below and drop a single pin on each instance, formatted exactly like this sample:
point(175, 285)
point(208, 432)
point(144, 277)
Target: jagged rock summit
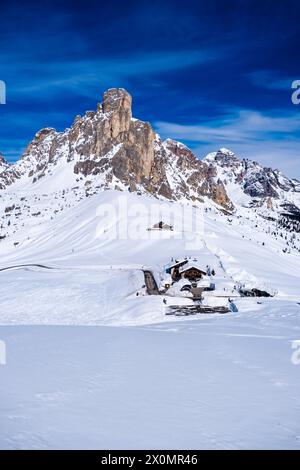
point(3, 162)
point(255, 180)
point(111, 149)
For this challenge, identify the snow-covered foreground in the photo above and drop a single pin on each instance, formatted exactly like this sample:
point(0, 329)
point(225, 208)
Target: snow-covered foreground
point(152, 381)
point(223, 382)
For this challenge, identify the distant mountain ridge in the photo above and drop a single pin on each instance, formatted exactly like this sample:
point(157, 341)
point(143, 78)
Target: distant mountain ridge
point(256, 180)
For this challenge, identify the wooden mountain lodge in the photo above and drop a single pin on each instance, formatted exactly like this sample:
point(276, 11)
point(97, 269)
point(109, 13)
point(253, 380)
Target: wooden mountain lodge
point(191, 272)
point(185, 269)
point(162, 226)
point(173, 269)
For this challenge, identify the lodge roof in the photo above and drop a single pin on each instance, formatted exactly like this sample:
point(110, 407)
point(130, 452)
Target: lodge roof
point(178, 263)
point(191, 265)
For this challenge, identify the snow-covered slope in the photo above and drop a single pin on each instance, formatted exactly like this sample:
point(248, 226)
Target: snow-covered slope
point(220, 383)
point(130, 386)
point(104, 240)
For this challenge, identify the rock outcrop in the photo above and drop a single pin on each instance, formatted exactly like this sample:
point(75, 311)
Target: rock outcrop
point(2, 160)
point(7, 173)
point(254, 180)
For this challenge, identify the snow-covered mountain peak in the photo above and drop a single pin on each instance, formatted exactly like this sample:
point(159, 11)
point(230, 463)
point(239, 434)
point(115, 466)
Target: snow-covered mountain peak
point(107, 148)
point(115, 99)
point(110, 149)
point(226, 151)
point(249, 183)
point(223, 157)
point(2, 160)
point(174, 143)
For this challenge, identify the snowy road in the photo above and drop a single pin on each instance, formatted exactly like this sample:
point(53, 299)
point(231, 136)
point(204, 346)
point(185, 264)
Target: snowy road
point(151, 284)
point(20, 266)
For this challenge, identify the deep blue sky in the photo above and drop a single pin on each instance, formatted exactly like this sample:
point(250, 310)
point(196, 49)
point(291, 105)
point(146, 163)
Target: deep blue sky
point(210, 73)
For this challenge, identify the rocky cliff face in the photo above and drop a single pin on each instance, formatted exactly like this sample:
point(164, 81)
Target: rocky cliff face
point(254, 180)
point(7, 173)
point(109, 148)
point(185, 176)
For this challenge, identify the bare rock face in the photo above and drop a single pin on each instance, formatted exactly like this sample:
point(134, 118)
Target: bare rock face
point(141, 137)
point(253, 179)
point(269, 203)
point(7, 173)
point(114, 142)
point(194, 178)
point(117, 104)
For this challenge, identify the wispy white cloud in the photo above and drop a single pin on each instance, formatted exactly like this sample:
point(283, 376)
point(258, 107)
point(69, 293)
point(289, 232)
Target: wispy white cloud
point(272, 139)
point(83, 75)
point(270, 80)
point(46, 84)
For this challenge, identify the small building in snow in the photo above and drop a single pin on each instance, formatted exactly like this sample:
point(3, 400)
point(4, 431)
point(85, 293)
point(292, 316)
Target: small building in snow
point(174, 267)
point(162, 226)
point(191, 271)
